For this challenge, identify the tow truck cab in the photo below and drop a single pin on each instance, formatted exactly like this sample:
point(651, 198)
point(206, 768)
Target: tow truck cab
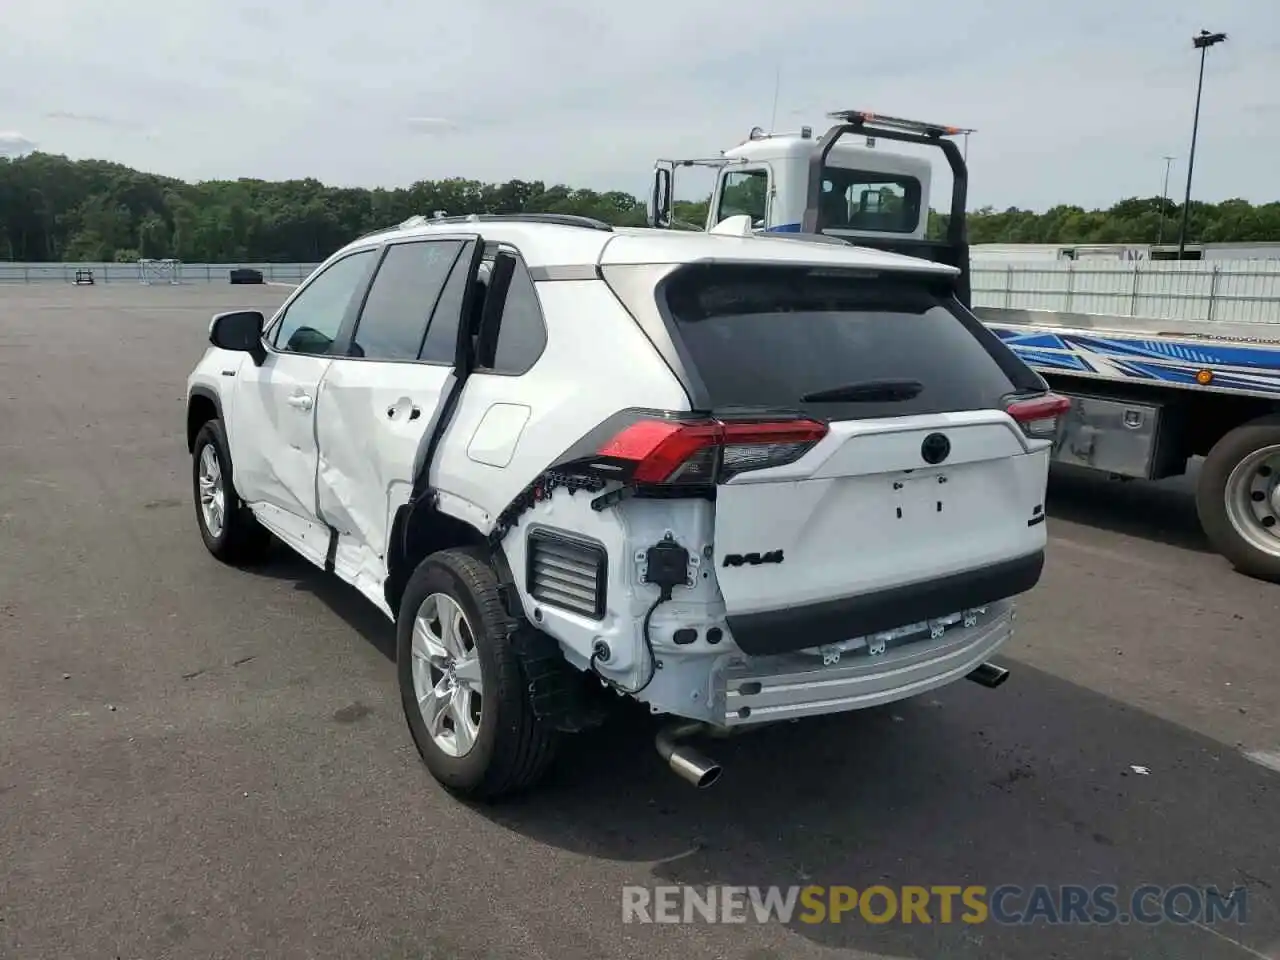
point(799, 184)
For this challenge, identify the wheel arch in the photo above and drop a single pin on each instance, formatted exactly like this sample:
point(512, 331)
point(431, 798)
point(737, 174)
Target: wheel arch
point(420, 529)
point(1217, 415)
point(203, 405)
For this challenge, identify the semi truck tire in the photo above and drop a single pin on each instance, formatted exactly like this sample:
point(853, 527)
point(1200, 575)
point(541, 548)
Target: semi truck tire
point(1238, 498)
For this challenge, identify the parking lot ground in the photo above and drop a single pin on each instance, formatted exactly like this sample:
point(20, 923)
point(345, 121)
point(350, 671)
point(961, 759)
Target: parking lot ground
point(202, 762)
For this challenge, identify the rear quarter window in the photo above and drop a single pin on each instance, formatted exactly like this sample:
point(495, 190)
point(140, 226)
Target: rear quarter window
point(764, 336)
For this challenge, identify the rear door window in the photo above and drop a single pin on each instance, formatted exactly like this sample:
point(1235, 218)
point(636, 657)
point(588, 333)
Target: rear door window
point(763, 336)
point(393, 321)
point(521, 333)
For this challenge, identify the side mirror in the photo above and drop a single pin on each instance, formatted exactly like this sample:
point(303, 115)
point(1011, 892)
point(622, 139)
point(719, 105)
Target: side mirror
point(660, 215)
point(239, 330)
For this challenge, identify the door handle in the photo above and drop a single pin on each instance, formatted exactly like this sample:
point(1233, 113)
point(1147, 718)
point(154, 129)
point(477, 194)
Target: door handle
point(301, 401)
point(415, 411)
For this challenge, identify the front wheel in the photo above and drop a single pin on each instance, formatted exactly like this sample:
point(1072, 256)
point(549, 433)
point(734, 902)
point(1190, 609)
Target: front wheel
point(1238, 498)
point(462, 684)
point(228, 528)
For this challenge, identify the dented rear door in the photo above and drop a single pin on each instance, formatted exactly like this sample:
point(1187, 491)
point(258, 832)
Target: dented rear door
point(379, 399)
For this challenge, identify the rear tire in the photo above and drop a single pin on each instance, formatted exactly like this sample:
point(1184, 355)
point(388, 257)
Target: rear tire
point(228, 528)
point(1238, 498)
point(484, 750)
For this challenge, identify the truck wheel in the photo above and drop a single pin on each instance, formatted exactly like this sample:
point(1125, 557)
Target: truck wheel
point(1238, 498)
point(461, 682)
point(229, 529)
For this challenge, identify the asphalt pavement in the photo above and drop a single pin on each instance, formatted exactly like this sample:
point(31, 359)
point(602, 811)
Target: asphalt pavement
point(200, 762)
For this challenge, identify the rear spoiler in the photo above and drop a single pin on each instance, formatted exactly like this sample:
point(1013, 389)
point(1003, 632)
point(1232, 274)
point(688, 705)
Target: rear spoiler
point(864, 123)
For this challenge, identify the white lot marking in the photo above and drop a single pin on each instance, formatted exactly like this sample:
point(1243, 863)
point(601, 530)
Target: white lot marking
point(1265, 758)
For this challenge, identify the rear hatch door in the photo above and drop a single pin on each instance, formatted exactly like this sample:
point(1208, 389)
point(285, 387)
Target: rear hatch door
point(923, 494)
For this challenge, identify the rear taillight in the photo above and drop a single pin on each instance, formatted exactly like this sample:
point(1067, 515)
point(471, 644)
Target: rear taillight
point(1038, 416)
point(707, 451)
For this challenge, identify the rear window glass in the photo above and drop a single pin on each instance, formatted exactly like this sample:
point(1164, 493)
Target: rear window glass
point(769, 336)
point(866, 200)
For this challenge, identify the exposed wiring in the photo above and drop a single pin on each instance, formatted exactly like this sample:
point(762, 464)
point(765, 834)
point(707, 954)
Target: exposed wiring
point(664, 596)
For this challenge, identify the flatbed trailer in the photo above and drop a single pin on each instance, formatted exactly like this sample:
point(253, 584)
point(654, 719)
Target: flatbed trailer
point(1150, 394)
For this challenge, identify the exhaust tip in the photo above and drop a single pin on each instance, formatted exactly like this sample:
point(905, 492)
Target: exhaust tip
point(693, 767)
point(709, 776)
point(685, 762)
point(988, 675)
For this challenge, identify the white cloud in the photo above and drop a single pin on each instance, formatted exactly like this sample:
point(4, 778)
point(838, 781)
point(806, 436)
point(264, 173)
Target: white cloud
point(1072, 103)
point(14, 144)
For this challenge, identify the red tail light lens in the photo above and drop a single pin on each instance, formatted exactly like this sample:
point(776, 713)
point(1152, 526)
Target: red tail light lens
point(709, 451)
point(1038, 416)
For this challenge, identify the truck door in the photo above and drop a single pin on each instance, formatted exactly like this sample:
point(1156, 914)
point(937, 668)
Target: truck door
point(742, 191)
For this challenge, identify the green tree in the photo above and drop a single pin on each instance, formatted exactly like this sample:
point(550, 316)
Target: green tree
point(53, 208)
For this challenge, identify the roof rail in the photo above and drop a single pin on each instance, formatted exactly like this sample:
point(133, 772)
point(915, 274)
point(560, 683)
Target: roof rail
point(560, 219)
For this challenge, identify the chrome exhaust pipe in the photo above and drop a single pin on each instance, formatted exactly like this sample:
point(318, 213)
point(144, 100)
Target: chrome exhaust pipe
point(685, 762)
point(988, 675)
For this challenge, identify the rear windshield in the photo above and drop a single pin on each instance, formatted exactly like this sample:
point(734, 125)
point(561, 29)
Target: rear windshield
point(866, 200)
point(769, 336)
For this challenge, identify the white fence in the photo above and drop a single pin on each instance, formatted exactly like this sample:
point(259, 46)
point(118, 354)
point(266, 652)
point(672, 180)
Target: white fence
point(1237, 290)
point(129, 272)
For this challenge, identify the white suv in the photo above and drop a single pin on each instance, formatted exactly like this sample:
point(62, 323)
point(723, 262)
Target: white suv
point(739, 478)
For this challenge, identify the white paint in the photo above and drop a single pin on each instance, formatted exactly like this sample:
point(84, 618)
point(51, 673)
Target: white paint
point(495, 439)
point(639, 246)
point(307, 537)
point(596, 362)
point(845, 529)
point(1234, 942)
point(369, 421)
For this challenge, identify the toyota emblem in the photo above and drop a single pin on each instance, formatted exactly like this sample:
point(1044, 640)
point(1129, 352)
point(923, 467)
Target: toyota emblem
point(935, 448)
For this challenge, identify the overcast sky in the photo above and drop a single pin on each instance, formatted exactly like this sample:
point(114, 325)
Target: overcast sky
point(1073, 101)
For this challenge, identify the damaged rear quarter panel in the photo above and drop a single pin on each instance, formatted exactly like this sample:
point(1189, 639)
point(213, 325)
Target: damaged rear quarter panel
point(596, 362)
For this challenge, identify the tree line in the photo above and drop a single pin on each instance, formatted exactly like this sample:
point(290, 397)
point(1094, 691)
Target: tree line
point(56, 209)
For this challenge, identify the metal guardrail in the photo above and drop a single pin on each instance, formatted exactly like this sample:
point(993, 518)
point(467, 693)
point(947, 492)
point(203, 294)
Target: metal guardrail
point(1230, 290)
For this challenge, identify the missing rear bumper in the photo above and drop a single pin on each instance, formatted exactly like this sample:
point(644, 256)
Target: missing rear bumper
point(792, 628)
point(790, 686)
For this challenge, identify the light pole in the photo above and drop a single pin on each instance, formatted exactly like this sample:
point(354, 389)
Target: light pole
point(1164, 197)
point(1202, 42)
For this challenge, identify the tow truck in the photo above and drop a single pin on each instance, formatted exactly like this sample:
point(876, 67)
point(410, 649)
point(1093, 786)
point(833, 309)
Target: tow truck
point(1148, 395)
